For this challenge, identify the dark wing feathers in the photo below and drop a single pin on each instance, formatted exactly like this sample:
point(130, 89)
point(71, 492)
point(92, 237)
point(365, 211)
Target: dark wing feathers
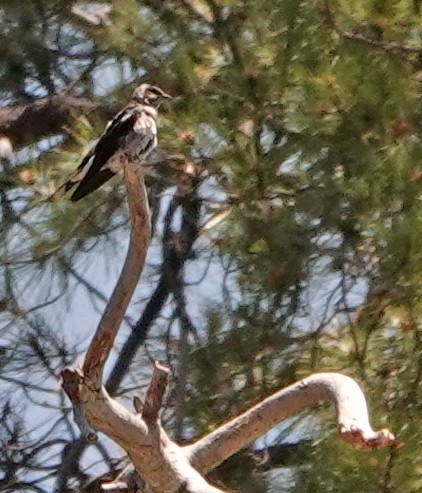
point(92, 173)
point(84, 188)
point(106, 146)
point(74, 178)
point(111, 139)
point(88, 176)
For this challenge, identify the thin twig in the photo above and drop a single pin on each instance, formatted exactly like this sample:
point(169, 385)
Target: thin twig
point(381, 45)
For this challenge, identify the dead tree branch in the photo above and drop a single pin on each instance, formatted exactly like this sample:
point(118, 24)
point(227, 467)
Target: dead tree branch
point(342, 391)
point(158, 459)
point(165, 466)
point(177, 249)
point(109, 325)
point(388, 46)
point(210, 451)
point(41, 118)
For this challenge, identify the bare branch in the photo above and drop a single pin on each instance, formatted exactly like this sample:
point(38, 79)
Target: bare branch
point(158, 459)
point(169, 468)
point(345, 393)
point(165, 466)
point(154, 455)
point(109, 325)
point(87, 432)
point(382, 45)
point(177, 249)
point(388, 46)
point(100, 16)
point(45, 116)
point(128, 480)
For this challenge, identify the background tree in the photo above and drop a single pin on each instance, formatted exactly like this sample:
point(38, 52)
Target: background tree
point(286, 201)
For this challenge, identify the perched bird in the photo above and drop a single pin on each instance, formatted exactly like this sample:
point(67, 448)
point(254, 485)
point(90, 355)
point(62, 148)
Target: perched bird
point(131, 135)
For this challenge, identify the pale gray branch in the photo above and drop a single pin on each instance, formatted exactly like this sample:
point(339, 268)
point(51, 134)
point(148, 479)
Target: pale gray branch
point(157, 459)
point(342, 391)
point(165, 466)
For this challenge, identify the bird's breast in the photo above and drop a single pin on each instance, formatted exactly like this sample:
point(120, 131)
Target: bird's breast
point(138, 146)
point(143, 137)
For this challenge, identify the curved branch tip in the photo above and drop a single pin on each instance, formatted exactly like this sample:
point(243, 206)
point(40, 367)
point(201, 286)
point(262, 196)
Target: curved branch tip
point(364, 440)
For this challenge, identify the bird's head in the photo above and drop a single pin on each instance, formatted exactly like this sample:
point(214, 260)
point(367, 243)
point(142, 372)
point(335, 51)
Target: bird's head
point(150, 95)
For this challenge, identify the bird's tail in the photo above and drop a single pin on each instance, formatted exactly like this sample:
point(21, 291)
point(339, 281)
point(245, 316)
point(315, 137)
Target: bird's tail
point(61, 191)
point(90, 183)
point(74, 179)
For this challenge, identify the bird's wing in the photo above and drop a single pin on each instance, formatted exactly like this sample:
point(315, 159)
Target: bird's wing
point(85, 187)
point(109, 142)
point(91, 173)
point(93, 170)
point(74, 178)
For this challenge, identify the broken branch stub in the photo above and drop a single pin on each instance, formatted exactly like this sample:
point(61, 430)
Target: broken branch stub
point(155, 393)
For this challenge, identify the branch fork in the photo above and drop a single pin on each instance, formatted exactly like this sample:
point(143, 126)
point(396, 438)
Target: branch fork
point(165, 466)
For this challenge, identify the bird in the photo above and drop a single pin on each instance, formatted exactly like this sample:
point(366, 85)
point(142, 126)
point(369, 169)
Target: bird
point(130, 135)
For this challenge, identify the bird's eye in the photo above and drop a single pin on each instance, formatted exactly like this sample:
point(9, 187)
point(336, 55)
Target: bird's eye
point(151, 96)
